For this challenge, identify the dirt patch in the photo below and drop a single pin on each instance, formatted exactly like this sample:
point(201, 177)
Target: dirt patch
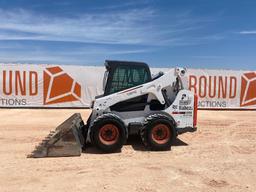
point(220, 156)
point(217, 183)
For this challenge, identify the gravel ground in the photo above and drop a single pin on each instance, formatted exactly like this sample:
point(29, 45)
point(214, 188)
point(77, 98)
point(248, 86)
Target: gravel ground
point(220, 156)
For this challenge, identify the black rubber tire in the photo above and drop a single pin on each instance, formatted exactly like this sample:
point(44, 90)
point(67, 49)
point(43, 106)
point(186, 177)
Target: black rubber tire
point(146, 131)
point(99, 122)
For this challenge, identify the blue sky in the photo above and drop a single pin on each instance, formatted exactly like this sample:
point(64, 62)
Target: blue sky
point(163, 33)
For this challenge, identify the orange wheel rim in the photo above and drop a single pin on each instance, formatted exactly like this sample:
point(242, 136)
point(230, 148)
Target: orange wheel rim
point(161, 134)
point(109, 134)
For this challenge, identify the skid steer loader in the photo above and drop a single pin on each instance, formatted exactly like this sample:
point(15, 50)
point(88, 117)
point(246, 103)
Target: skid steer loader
point(158, 108)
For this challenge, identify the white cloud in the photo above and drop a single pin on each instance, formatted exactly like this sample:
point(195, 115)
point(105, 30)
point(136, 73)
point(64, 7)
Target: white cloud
point(81, 55)
point(133, 26)
point(208, 57)
point(134, 30)
point(253, 32)
point(126, 27)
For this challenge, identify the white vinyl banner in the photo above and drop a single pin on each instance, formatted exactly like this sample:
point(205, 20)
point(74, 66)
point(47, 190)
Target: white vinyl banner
point(50, 86)
point(223, 89)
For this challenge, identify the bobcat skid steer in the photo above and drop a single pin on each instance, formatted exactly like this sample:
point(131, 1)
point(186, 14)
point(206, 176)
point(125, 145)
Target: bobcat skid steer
point(133, 102)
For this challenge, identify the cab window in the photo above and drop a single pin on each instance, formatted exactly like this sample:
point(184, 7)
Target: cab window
point(125, 77)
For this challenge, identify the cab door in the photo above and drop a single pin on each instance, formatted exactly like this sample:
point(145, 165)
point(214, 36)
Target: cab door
point(122, 77)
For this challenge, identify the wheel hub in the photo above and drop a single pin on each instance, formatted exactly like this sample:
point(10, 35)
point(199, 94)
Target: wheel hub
point(109, 134)
point(161, 134)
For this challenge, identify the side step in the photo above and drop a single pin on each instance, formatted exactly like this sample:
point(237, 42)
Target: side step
point(66, 140)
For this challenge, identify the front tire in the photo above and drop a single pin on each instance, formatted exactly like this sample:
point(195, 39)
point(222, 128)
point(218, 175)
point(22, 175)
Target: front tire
point(158, 132)
point(108, 133)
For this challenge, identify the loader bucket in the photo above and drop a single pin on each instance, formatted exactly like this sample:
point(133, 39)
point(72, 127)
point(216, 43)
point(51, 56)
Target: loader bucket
point(66, 140)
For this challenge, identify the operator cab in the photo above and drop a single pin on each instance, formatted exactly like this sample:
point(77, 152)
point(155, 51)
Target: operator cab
point(121, 75)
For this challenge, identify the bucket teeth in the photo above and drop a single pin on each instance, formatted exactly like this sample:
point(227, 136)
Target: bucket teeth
point(65, 140)
point(41, 143)
point(48, 136)
point(30, 155)
point(38, 148)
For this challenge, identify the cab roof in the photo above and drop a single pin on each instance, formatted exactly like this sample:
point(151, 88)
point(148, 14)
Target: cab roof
point(114, 63)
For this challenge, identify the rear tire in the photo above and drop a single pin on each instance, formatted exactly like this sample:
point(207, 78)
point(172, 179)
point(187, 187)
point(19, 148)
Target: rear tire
point(158, 132)
point(108, 133)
